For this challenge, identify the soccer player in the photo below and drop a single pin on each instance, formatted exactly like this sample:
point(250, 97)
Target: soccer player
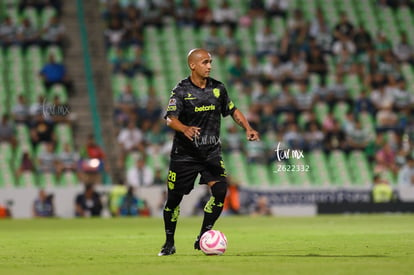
point(194, 112)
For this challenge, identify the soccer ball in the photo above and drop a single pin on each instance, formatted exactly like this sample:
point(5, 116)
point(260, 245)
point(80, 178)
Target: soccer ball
point(213, 242)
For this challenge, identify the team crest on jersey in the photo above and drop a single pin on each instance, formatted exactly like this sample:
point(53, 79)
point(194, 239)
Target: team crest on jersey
point(172, 102)
point(216, 92)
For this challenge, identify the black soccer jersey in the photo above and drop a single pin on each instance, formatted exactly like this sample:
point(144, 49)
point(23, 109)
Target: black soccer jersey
point(202, 108)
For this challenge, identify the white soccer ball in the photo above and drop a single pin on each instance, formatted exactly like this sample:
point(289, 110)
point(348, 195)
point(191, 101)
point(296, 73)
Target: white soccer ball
point(213, 242)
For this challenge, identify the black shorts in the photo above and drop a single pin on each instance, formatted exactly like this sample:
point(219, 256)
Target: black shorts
point(182, 174)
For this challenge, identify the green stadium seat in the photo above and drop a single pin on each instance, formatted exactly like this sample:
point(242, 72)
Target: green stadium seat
point(68, 179)
point(7, 178)
point(46, 180)
point(27, 179)
point(319, 169)
point(339, 169)
point(360, 169)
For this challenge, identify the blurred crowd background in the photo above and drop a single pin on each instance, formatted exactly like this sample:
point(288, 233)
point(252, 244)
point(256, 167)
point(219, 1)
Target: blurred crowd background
point(331, 78)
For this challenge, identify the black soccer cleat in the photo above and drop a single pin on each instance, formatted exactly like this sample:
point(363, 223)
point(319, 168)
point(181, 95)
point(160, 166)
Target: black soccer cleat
point(167, 249)
point(197, 243)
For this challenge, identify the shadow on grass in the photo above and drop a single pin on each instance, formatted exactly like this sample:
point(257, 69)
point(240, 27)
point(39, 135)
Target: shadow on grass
point(309, 255)
point(291, 255)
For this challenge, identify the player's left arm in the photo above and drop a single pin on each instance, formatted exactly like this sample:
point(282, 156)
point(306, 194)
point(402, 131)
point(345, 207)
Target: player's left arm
point(240, 119)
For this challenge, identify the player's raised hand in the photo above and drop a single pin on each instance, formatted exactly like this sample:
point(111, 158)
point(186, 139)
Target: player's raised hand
point(252, 135)
point(191, 132)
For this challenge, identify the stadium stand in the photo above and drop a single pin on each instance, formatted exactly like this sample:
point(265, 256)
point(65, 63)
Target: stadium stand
point(363, 72)
point(30, 35)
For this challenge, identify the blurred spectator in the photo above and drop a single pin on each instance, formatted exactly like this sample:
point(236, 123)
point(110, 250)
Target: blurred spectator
point(185, 13)
point(276, 8)
point(37, 107)
point(8, 32)
point(231, 45)
point(386, 118)
point(224, 15)
point(232, 201)
point(357, 136)
point(7, 130)
point(339, 91)
point(314, 138)
point(381, 98)
point(406, 173)
point(273, 70)
point(403, 99)
point(88, 203)
point(114, 33)
point(318, 24)
point(296, 68)
point(154, 137)
point(203, 14)
point(151, 111)
point(403, 50)
point(382, 191)
point(261, 207)
point(362, 39)
point(117, 192)
point(254, 70)
point(26, 164)
point(139, 65)
point(343, 43)
point(159, 179)
point(40, 5)
point(266, 42)
point(153, 14)
point(256, 8)
point(317, 64)
point(293, 138)
point(131, 205)
point(344, 27)
point(232, 141)
point(297, 27)
point(130, 139)
point(382, 44)
point(5, 211)
point(374, 146)
point(140, 174)
point(20, 110)
point(28, 35)
point(43, 205)
point(53, 73)
point(47, 159)
point(268, 120)
point(304, 99)
point(92, 161)
point(54, 32)
point(213, 42)
point(237, 72)
point(385, 160)
point(125, 105)
point(285, 102)
point(41, 130)
point(120, 63)
point(67, 160)
point(256, 152)
point(363, 104)
point(334, 138)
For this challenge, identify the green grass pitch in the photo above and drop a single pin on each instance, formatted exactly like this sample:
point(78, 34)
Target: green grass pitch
point(354, 244)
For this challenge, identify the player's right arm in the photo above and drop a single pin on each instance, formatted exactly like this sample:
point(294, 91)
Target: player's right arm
point(189, 131)
point(175, 107)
